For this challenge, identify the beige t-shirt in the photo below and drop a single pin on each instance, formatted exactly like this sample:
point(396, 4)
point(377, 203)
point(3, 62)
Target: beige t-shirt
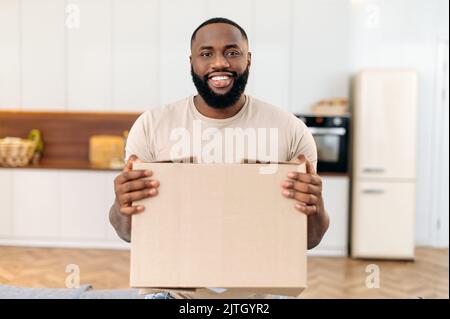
point(259, 131)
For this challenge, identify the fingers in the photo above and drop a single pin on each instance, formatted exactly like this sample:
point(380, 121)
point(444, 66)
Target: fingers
point(306, 194)
point(305, 203)
point(306, 209)
point(305, 188)
point(126, 199)
point(129, 166)
point(132, 175)
point(138, 185)
point(309, 167)
point(301, 187)
point(305, 198)
point(133, 185)
point(302, 159)
point(131, 210)
point(306, 178)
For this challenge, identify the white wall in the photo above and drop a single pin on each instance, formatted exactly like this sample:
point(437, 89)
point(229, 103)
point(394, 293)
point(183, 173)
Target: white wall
point(320, 51)
point(131, 55)
point(10, 54)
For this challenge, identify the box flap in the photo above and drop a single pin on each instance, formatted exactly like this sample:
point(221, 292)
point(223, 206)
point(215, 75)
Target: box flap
point(186, 160)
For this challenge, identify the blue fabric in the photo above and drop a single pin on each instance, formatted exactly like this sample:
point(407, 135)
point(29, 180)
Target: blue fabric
point(159, 295)
point(12, 292)
point(83, 292)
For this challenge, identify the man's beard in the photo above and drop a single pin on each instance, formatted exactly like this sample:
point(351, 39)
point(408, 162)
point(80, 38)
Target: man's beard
point(221, 101)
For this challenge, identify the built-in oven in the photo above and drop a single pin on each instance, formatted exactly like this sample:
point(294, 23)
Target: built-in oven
point(331, 134)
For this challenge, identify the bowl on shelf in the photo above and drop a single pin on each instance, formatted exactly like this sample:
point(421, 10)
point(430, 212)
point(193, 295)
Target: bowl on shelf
point(16, 152)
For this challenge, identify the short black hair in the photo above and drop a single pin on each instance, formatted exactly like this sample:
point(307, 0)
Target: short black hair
point(219, 20)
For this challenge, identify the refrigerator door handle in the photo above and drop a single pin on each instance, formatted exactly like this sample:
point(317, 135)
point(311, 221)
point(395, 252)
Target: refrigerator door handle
point(373, 170)
point(373, 191)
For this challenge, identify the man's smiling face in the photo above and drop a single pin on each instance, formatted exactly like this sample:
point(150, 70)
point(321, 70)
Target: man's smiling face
point(220, 64)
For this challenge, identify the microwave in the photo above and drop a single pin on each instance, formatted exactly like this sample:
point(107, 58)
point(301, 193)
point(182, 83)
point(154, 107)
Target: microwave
point(331, 134)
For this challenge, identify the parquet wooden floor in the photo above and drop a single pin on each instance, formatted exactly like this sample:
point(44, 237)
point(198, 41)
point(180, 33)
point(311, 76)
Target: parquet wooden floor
point(328, 277)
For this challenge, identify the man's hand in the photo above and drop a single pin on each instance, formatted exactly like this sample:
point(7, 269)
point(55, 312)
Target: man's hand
point(130, 186)
point(306, 190)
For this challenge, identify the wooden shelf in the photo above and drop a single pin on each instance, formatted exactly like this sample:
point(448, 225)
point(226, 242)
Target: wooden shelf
point(66, 134)
point(65, 164)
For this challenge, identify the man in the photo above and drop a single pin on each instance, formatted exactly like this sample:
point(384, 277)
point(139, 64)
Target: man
point(220, 63)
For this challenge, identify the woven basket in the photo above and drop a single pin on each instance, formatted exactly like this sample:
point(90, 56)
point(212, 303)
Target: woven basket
point(15, 152)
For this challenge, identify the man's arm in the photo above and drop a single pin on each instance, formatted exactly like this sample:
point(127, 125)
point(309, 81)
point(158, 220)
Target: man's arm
point(306, 189)
point(317, 225)
point(120, 222)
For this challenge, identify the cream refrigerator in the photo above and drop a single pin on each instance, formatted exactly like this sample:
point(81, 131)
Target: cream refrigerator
point(384, 164)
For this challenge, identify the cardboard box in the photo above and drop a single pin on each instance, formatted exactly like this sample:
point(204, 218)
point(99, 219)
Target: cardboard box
point(219, 225)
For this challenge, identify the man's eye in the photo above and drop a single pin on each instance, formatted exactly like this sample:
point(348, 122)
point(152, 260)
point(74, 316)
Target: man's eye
point(233, 53)
point(206, 54)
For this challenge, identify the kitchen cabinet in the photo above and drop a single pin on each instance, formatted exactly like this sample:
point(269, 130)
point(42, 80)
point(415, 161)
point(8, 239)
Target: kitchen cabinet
point(335, 192)
point(86, 200)
point(82, 213)
point(36, 204)
point(57, 208)
point(382, 223)
point(5, 202)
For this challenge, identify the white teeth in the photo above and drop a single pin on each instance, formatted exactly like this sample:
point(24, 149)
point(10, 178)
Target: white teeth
point(219, 78)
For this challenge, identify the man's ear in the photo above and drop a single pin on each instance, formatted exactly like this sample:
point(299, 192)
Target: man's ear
point(190, 59)
point(249, 59)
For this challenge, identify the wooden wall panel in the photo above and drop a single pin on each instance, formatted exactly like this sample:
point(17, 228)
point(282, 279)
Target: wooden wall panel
point(66, 134)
